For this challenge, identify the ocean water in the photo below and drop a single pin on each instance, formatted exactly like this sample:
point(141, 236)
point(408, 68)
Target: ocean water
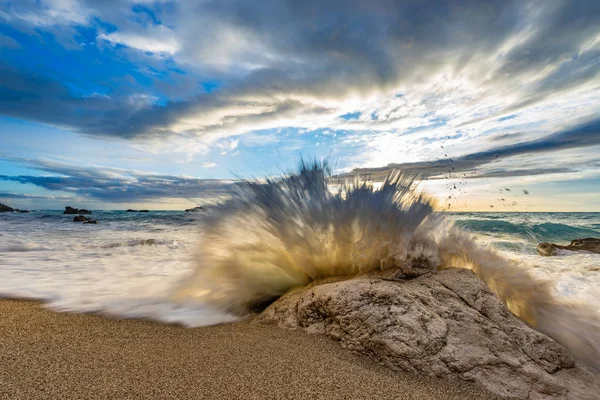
point(212, 267)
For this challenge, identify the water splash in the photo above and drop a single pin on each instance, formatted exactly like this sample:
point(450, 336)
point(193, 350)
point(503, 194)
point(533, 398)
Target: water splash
point(283, 233)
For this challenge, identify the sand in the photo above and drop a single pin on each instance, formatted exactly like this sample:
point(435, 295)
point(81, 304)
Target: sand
point(44, 354)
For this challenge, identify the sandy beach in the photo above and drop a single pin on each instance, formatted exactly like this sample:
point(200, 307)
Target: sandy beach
point(44, 354)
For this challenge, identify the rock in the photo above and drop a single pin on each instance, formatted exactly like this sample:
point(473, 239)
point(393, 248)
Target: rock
point(5, 208)
point(445, 324)
point(587, 244)
point(130, 210)
point(195, 209)
point(90, 221)
point(80, 218)
point(24, 211)
point(71, 210)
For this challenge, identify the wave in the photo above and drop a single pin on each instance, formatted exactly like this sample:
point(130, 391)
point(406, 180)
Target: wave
point(534, 233)
point(273, 236)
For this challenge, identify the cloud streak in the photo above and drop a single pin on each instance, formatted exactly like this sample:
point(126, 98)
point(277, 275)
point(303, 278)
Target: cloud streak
point(117, 185)
point(584, 135)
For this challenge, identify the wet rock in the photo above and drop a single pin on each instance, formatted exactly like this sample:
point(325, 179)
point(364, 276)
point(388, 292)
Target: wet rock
point(587, 244)
point(130, 210)
point(80, 218)
point(24, 211)
point(445, 324)
point(71, 210)
point(90, 221)
point(5, 208)
point(195, 209)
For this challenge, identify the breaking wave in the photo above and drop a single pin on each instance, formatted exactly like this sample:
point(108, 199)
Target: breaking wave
point(283, 233)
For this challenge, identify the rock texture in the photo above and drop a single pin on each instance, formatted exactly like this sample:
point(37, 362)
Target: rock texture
point(448, 324)
point(71, 210)
point(588, 244)
point(195, 209)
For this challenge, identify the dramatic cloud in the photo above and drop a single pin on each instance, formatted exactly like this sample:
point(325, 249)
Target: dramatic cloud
point(303, 64)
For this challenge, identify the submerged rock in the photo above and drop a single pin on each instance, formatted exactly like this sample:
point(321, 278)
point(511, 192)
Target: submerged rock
point(130, 210)
point(81, 218)
point(71, 210)
point(91, 221)
point(588, 244)
point(446, 324)
point(195, 209)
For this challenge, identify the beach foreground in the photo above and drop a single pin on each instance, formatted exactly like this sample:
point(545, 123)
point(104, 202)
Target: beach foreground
point(44, 354)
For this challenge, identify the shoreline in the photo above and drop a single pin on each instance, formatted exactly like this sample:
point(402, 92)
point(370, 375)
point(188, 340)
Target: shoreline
point(45, 354)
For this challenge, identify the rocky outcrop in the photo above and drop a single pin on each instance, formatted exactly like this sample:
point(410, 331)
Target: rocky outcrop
point(5, 208)
point(446, 324)
point(130, 210)
point(195, 209)
point(588, 244)
point(91, 221)
point(71, 210)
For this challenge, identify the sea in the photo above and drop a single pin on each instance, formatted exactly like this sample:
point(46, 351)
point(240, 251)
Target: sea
point(210, 267)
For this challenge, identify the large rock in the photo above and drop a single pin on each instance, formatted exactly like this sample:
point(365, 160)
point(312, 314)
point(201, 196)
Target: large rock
point(195, 209)
point(71, 210)
point(588, 244)
point(447, 324)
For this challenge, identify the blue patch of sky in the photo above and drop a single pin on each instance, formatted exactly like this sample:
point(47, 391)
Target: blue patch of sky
point(435, 122)
point(374, 116)
point(210, 86)
point(513, 116)
point(142, 12)
point(351, 116)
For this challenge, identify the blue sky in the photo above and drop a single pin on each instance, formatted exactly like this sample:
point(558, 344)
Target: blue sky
point(163, 103)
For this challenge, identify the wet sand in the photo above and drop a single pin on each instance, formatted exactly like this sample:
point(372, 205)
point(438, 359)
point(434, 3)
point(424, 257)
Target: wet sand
point(44, 354)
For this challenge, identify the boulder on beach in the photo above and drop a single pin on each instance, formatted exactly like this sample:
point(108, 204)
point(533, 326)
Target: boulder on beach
point(195, 209)
point(445, 324)
point(71, 210)
point(5, 208)
point(587, 244)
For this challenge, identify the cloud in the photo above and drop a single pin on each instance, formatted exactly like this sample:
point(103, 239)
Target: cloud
point(25, 196)
point(117, 185)
point(159, 40)
point(304, 64)
point(581, 136)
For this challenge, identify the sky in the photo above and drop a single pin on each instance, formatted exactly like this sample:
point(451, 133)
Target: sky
point(164, 104)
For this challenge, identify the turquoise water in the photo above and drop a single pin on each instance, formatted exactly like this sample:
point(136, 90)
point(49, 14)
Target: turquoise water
point(521, 232)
